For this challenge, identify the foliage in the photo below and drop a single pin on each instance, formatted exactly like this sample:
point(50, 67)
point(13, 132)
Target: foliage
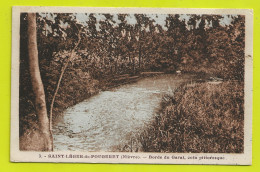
point(117, 47)
point(200, 118)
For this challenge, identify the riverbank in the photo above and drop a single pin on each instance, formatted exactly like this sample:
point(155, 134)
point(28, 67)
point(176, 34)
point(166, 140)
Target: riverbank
point(199, 118)
point(82, 87)
point(178, 121)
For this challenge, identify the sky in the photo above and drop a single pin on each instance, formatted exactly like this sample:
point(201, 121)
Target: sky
point(130, 18)
point(158, 18)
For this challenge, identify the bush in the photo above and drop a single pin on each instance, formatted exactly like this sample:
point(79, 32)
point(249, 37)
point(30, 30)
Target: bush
point(201, 118)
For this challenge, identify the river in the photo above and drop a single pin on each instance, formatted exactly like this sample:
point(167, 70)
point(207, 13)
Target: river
point(109, 119)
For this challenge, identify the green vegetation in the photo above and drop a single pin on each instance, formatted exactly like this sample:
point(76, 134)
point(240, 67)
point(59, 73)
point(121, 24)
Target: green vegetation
point(203, 117)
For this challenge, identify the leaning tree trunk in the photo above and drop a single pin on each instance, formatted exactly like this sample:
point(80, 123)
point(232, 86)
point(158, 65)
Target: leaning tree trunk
point(140, 53)
point(61, 75)
point(37, 85)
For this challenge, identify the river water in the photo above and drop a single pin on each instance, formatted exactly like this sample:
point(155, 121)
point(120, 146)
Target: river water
point(109, 119)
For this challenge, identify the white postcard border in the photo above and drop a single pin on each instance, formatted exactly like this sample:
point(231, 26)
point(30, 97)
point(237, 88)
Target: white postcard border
point(123, 157)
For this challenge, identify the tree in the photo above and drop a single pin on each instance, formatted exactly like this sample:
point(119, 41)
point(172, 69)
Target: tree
point(37, 85)
point(61, 75)
point(141, 36)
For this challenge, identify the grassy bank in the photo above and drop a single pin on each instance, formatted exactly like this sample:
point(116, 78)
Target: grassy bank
point(202, 117)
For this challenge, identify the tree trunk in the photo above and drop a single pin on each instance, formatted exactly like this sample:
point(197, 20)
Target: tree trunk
point(60, 78)
point(133, 63)
point(37, 85)
point(140, 57)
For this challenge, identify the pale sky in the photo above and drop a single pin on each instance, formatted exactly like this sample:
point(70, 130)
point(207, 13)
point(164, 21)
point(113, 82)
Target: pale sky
point(130, 18)
point(158, 18)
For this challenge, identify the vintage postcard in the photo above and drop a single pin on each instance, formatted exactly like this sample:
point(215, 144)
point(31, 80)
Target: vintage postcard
point(132, 85)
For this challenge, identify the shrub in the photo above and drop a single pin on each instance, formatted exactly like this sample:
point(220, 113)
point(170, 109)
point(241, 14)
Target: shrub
point(201, 118)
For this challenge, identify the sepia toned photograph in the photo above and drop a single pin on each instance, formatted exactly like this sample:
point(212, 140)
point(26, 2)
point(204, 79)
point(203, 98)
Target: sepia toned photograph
point(131, 85)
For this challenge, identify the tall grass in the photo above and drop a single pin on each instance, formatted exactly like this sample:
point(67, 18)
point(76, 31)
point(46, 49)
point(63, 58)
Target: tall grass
point(200, 118)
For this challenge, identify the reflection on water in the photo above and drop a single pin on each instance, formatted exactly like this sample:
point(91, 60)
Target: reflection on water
point(107, 119)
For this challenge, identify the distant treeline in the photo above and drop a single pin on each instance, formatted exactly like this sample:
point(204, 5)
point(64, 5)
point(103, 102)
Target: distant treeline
point(200, 44)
